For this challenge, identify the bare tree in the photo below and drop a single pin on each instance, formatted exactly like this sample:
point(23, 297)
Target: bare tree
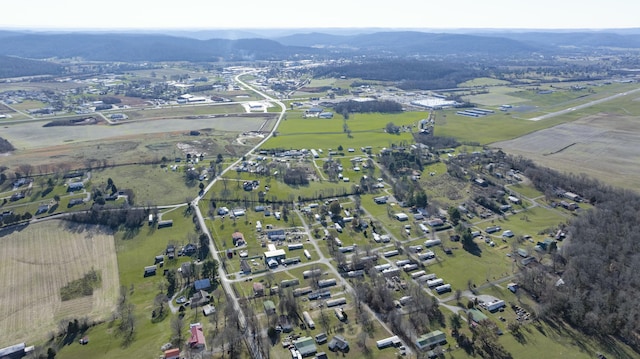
point(177, 325)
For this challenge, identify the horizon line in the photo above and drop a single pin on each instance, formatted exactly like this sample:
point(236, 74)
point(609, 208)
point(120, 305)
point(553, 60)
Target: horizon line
point(30, 28)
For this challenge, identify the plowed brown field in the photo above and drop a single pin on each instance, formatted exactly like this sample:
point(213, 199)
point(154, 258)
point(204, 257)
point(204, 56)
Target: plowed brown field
point(36, 261)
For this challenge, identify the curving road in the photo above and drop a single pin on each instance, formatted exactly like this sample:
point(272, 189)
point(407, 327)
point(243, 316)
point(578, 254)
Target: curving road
point(226, 283)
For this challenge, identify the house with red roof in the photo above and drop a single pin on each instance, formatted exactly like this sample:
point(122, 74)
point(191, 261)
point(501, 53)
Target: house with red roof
point(197, 336)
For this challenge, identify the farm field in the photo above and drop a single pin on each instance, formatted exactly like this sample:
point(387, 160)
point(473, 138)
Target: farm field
point(33, 135)
point(36, 261)
point(601, 146)
point(130, 148)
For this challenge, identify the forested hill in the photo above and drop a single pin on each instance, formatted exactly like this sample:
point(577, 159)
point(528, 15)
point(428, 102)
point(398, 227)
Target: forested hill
point(406, 74)
point(141, 47)
point(128, 47)
point(16, 67)
point(415, 42)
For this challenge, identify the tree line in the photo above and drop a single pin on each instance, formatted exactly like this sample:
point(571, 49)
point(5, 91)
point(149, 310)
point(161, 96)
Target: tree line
point(379, 106)
point(5, 146)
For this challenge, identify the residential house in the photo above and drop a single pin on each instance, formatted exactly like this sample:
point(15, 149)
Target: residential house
point(199, 299)
point(321, 338)
point(75, 186)
point(338, 343)
point(238, 239)
point(258, 289)
point(202, 284)
point(42, 209)
point(245, 267)
point(196, 341)
point(429, 340)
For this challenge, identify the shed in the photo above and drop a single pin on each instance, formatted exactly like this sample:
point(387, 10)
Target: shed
point(150, 271)
point(208, 310)
point(269, 307)
point(172, 353)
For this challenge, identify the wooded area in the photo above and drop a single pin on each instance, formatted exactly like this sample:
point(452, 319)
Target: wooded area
point(598, 263)
point(407, 74)
point(16, 67)
point(5, 146)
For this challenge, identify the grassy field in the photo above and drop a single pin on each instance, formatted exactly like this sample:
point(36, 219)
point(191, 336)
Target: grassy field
point(36, 261)
point(182, 111)
point(483, 81)
point(489, 129)
point(150, 183)
point(366, 130)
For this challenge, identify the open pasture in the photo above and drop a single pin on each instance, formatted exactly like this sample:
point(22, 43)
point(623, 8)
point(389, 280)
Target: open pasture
point(33, 135)
point(36, 261)
point(125, 143)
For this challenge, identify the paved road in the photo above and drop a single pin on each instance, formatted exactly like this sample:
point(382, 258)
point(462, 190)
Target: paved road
point(226, 283)
point(585, 105)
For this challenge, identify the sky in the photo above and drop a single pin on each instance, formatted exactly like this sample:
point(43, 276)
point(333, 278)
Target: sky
point(283, 14)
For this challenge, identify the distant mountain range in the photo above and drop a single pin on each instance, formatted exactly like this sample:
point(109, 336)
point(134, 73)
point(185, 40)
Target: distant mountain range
point(234, 45)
